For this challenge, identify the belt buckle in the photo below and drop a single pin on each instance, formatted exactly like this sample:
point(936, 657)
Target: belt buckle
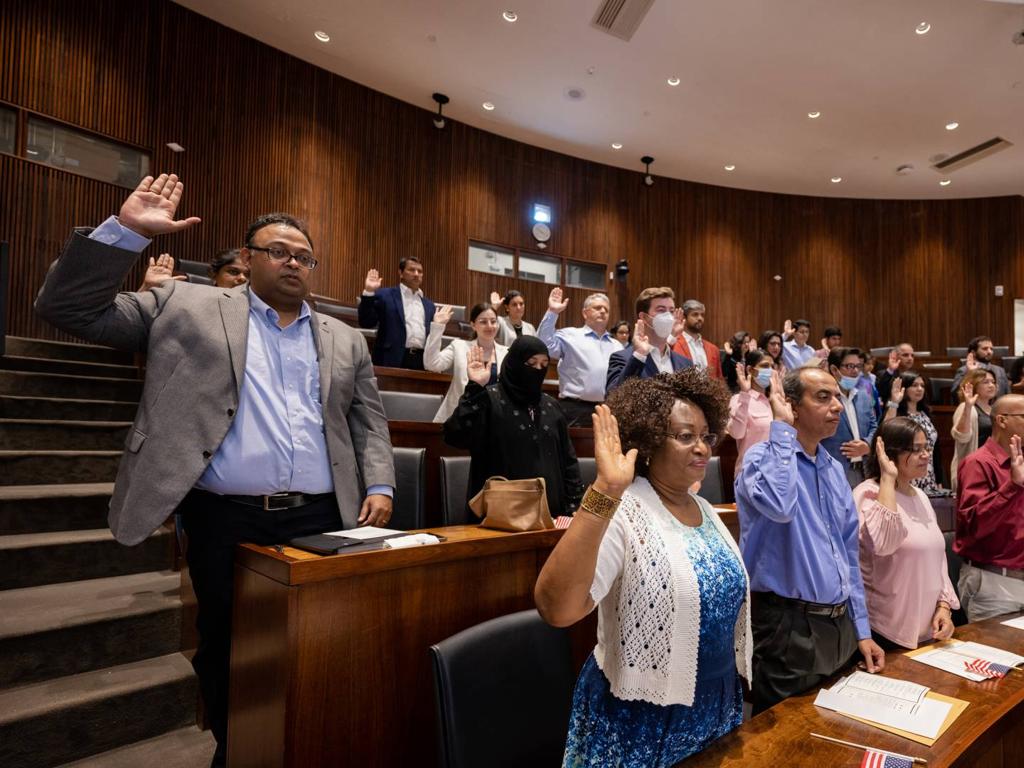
point(266, 502)
point(838, 611)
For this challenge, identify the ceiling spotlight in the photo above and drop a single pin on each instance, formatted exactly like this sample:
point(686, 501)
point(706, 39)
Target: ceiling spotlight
point(814, 115)
point(488, 106)
point(510, 16)
point(952, 126)
point(441, 100)
point(648, 179)
point(616, 145)
point(836, 179)
point(730, 167)
point(323, 37)
point(175, 146)
point(922, 28)
point(673, 81)
point(945, 182)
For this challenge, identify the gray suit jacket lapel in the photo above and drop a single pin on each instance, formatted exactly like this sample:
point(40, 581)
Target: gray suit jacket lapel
point(325, 353)
point(234, 313)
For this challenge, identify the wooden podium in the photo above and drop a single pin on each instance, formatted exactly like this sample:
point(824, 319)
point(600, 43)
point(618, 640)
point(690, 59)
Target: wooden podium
point(330, 655)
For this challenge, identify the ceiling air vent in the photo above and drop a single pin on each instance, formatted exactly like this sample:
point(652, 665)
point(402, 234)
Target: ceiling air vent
point(972, 155)
point(621, 17)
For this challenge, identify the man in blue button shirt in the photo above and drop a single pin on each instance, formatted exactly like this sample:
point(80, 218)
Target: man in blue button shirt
point(799, 539)
point(259, 421)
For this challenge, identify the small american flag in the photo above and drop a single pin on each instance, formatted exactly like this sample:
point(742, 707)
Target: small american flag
point(986, 668)
point(562, 522)
point(875, 759)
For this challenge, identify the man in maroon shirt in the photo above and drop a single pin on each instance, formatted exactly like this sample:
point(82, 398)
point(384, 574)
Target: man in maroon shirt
point(990, 517)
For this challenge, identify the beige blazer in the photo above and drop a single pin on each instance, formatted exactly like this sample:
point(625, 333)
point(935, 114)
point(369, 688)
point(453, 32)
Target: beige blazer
point(452, 359)
point(966, 442)
point(195, 337)
point(507, 333)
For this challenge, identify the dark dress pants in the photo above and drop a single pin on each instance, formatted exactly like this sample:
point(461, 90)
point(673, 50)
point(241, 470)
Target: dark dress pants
point(795, 651)
point(577, 412)
point(215, 527)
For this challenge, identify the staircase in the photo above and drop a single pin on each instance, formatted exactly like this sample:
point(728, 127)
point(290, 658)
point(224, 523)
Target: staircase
point(90, 631)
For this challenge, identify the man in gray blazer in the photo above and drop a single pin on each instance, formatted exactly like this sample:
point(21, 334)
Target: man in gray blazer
point(260, 421)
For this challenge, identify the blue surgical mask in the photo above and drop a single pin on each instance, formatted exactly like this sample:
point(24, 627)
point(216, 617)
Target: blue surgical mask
point(848, 382)
point(764, 377)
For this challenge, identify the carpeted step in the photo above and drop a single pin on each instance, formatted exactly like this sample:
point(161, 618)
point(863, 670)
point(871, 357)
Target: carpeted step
point(70, 409)
point(33, 384)
point(184, 748)
point(47, 435)
point(63, 629)
point(56, 507)
point(71, 367)
point(68, 718)
point(62, 350)
point(32, 559)
point(45, 467)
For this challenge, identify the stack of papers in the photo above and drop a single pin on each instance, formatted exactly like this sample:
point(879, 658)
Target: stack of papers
point(954, 656)
point(887, 702)
point(1017, 623)
point(369, 533)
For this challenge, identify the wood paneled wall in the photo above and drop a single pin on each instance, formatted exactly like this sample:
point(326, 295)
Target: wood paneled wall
point(264, 131)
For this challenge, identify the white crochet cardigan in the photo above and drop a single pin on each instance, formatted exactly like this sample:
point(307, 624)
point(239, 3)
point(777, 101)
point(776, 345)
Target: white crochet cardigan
point(649, 602)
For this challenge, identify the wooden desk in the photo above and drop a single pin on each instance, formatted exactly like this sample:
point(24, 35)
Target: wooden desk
point(427, 382)
point(329, 660)
point(989, 733)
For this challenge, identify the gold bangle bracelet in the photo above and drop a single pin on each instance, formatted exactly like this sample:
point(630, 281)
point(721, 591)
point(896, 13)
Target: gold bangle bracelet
point(599, 504)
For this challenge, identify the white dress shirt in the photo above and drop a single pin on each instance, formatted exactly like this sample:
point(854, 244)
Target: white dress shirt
point(664, 362)
point(415, 320)
point(697, 353)
point(582, 358)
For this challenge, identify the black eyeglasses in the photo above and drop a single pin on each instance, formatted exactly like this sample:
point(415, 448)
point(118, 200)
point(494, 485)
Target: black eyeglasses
point(688, 439)
point(304, 258)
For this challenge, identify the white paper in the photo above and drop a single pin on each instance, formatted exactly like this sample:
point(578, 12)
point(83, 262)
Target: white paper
point(415, 540)
point(886, 701)
point(1017, 623)
point(866, 683)
point(365, 534)
point(943, 658)
point(953, 655)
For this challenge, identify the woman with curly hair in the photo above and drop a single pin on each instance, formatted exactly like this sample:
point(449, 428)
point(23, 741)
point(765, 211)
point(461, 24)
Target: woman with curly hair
point(668, 580)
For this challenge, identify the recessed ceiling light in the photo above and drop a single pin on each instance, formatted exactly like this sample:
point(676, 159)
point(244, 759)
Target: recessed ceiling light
point(510, 16)
point(175, 146)
point(616, 145)
point(673, 81)
point(945, 182)
point(836, 179)
point(952, 126)
point(322, 36)
point(488, 106)
point(922, 28)
point(814, 115)
point(729, 167)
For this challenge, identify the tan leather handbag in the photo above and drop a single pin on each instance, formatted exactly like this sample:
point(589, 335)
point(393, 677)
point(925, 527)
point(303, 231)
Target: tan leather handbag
point(513, 505)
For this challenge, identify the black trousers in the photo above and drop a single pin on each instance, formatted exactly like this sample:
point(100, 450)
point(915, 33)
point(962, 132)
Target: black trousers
point(795, 651)
point(215, 526)
point(577, 412)
point(412, 359)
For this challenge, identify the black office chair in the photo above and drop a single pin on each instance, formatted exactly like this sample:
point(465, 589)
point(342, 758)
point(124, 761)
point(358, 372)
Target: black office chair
point(197, 271)
point(454, 484)
point(503, 692)
point(953, 564)
point(956, 351)
point(410, 406)
point(410, 479)
point(588, 470)
point(942, 391)
point(711, 489)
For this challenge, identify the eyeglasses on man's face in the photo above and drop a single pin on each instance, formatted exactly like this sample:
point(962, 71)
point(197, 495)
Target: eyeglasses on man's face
point(689, 439)
point(852, 367)
point(283, 256)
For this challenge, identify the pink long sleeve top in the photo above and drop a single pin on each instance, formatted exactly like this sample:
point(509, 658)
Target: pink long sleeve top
point(903, 564)
point(750, 419)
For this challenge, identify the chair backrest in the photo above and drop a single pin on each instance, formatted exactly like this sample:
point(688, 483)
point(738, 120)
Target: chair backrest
point(1008, 362)
point(880, 351)
point(588, 469)
point(454, 484)
point(410, 481)
point(1000, 351)
point(347, 314)
point(410, 406)
point(711, 488)
point(942, 391)
point(503, 692)
point(956, 351)
point(953, 564)
point(197, 271)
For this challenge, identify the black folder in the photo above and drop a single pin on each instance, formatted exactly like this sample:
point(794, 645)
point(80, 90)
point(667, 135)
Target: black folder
point(323, 544)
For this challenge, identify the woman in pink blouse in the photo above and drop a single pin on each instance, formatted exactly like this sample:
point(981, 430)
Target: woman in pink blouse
point(750, 415)
point(902, 551)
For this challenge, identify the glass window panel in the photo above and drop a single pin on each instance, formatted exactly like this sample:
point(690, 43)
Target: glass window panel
point(493, 261)
point(8, 127)
point(64, 147)
point(590, 276)
point(541, 269)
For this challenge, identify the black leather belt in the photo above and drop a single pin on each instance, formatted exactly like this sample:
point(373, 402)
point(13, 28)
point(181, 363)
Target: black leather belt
point(812, 609)
point(278, 500)
point(1011, 573)
point(414, 350)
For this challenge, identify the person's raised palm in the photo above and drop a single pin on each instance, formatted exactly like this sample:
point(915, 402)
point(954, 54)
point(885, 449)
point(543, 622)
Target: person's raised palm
point(971, 362)
point(614, 469)
point(1016, 461)
point(743, 377)
point(898, 391)
point(443, 314)
point(679, 322)
point(885, 465)
point(788, 329)
point(555, 302)
point(894, 359)
point(476, 366)
point(159, 270)
point(495, 300)
point(782, 409)
point(149, 210)
point(970, 396)
point(641, 343)
point(373, 281)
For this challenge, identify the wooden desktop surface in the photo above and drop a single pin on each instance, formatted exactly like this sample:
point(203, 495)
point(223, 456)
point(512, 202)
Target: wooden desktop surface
point(988, 734)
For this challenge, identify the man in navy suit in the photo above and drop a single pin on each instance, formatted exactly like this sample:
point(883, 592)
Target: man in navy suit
point(401, 315)
point(650, 352)
point(858, 421)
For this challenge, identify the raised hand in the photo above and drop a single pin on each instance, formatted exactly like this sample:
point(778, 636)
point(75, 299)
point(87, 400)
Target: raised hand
point(443, 314)
point(894, 360)
point(680, 322)
point(614, 469)
point(743, 376)
point(824, 345)
point(159, 270)
point(373, 281)
point(788, 330)
point(727, 346)
point(149, 210)
point(640, 341)
point(782, 409)
point(971, 362)
point(495, 300)
point(476, 365)
point(885, 465)
point(1016, 461)
point(897, 392)
point(555, 302)
point(751, 345)
point(970, 396)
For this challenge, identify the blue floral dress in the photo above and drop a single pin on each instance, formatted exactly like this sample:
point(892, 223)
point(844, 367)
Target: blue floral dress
point(607, 731)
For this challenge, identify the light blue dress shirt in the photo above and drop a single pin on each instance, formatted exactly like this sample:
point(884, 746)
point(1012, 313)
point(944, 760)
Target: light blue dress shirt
point(799, 526)
point(276, 442)
point(793, 356)
point(582, 358)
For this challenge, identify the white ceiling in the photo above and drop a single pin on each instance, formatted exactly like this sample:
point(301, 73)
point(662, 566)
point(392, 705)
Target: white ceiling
point(750, 71)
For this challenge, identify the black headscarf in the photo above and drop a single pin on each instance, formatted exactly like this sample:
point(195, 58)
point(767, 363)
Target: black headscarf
point(520, 382)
